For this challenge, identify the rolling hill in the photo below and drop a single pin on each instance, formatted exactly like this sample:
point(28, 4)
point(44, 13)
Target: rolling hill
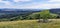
point(16, 12)
point(6, 12)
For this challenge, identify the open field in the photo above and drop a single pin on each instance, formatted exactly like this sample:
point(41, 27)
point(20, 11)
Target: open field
point(30, 24)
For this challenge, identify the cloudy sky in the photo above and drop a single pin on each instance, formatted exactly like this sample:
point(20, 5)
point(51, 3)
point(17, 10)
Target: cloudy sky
point(30, 4)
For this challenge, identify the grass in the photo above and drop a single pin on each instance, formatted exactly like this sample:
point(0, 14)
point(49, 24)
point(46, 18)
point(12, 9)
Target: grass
point(29, 24)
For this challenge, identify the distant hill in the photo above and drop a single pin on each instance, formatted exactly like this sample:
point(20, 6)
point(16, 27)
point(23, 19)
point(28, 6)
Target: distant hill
point(5, 12)
point(16, 12)
point(56, 10)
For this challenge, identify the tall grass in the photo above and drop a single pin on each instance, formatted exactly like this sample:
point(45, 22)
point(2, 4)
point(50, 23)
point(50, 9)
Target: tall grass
point(29, 24)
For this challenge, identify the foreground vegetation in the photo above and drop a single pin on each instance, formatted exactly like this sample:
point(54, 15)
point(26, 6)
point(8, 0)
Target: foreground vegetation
point(30, 24)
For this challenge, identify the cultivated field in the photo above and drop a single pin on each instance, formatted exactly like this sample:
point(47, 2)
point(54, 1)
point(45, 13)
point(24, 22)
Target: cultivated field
point(30, 24)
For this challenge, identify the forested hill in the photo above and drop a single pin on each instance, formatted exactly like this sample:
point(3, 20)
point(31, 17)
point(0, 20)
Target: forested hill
point(18, 11)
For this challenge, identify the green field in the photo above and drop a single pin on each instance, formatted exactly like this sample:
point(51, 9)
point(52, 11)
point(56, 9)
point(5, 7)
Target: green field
point(29, 24)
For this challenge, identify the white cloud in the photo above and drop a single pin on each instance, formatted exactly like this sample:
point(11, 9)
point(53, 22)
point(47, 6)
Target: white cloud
point(35, 6)
point(54, 0)
point(32, 5)
point(5, 2)
point(21, 0)
point(42, 6)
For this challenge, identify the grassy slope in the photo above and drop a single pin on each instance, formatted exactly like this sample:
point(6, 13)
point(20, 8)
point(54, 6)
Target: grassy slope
point(29, 24)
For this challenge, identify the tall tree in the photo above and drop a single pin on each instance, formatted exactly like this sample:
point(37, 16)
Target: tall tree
point(44, 15)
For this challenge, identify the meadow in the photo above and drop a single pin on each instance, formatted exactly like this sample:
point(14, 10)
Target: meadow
point(30, 24)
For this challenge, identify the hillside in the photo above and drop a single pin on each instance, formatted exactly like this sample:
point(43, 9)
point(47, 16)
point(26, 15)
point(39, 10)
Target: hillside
point(5, 12)
point(16, 12)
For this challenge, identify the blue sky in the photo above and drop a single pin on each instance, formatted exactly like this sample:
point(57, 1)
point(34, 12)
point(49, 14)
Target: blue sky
point(30, 4)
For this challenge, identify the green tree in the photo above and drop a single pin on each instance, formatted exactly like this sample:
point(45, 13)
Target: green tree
point(44, 15)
